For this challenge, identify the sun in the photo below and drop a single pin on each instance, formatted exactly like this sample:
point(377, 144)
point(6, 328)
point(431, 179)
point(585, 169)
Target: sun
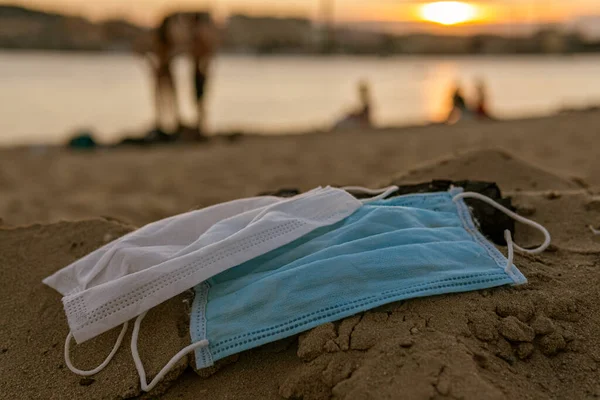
point(448, 12)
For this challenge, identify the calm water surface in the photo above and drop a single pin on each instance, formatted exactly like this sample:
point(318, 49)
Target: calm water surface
point(45, 97)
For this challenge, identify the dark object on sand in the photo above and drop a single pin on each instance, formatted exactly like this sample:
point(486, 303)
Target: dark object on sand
point(155, 136)
point(282, 193)
point(492, 222)
point(159, 137)
point(233, 136)
point(83, 140)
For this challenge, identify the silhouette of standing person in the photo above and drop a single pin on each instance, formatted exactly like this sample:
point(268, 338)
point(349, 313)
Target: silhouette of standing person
point(160, 54)
point(203, 48)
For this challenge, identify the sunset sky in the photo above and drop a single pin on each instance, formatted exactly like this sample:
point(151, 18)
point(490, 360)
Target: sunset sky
point(485, 11)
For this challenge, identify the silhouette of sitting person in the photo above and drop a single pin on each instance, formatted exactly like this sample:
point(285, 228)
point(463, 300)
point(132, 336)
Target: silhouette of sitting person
point(481, 104)
point(360, 117)
point(459, 108)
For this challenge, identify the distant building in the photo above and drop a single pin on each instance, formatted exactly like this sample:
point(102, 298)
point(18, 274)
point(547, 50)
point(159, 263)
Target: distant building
point(359, 41)
point(434, 44)
point(269, 34)
point(22, 28)
point(120, 35)
point(552, 41)
point(586, 26)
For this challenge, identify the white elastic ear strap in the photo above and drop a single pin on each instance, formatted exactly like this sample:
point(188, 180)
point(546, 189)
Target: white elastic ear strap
point(381, 193)
point(509, 242)
point(104, 363)
point(146, 387)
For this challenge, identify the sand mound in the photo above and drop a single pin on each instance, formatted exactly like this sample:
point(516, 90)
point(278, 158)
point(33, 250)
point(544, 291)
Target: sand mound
point(509, 172)
point(34, 327)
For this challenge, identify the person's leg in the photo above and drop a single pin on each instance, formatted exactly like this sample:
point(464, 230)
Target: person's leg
point(200, 83)
point(158, 102)
point(200, 111)
point(171, 99)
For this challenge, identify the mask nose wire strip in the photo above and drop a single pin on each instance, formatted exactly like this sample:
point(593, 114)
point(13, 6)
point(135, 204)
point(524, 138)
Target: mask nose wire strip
point(382, 193)
point(509, 242)
point(146, 387)
point(104, 363)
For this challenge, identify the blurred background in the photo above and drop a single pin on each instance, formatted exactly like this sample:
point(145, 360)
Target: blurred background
point(70, 68)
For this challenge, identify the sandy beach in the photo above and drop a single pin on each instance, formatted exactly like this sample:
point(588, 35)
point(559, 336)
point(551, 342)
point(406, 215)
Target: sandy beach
point(537, 341)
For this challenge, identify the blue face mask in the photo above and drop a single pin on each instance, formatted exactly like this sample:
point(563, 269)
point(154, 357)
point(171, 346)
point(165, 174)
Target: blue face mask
point(390, 250)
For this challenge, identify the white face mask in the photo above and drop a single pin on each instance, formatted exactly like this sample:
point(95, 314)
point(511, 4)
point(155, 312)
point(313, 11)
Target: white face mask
point(159, 261)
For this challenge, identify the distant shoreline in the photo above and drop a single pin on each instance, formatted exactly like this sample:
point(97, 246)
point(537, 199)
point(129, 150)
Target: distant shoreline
point(315, 54)
point(236, 135)
point(31, 29)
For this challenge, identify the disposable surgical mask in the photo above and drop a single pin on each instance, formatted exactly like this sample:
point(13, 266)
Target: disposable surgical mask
point(406, 247)
point(373, 252)
point(135, 273)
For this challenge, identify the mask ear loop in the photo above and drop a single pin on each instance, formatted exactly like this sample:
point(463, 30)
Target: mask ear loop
point(146, 387)
point(507, 236)
point(381, 193)
point(104, 363)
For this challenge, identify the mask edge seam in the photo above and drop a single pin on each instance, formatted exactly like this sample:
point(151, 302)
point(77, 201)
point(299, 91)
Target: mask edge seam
point(203, 356)
point(389, 293)
point(495, 278)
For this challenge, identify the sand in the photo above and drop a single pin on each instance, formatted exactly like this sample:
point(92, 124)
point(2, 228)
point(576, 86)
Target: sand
point(536, 341)
point(141, 185)
point(509, 172)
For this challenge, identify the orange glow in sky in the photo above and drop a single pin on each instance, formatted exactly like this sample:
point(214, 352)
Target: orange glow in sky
point(448, 12)
point(444, 12)
point(453, 13)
